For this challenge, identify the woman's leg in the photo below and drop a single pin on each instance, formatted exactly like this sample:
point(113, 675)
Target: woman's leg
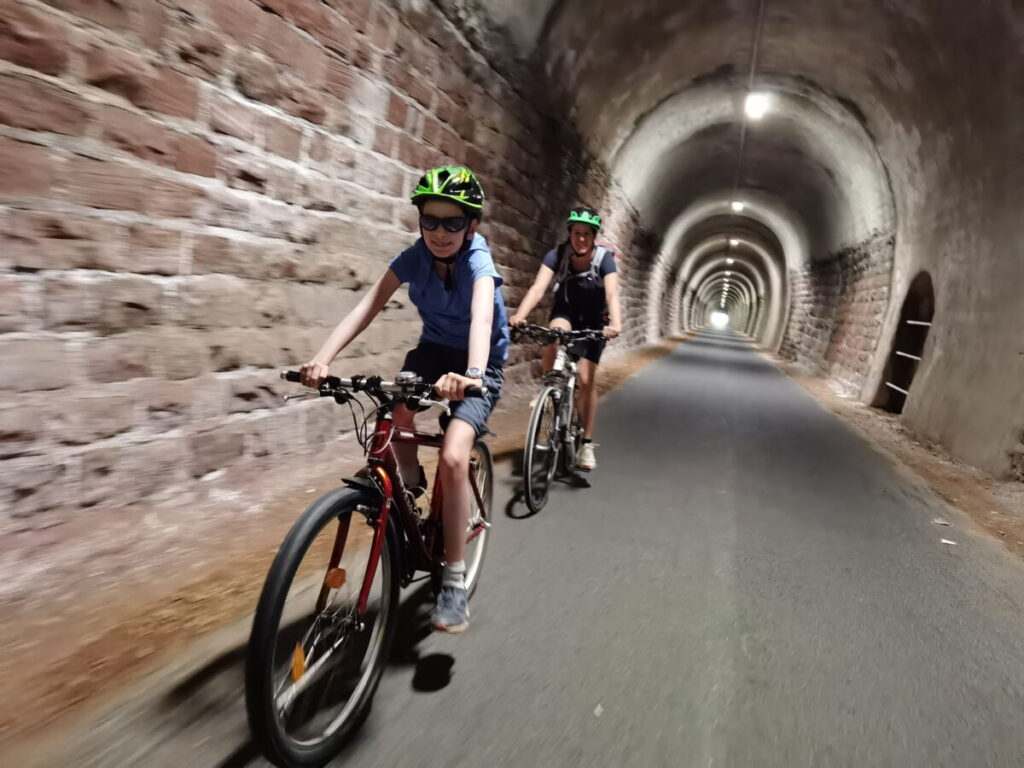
point(586, 376)
point(557, 323)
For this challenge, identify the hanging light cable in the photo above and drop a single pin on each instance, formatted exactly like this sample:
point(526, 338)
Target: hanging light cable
point(755, 52)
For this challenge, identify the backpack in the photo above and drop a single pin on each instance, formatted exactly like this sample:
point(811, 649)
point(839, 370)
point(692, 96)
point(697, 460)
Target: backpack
point(562, 271)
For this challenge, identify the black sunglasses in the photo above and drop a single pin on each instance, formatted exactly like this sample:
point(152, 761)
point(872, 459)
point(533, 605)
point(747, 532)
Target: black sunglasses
point(451, 224)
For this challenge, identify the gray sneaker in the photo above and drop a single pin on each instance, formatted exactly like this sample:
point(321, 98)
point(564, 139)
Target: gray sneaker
point(451, 614)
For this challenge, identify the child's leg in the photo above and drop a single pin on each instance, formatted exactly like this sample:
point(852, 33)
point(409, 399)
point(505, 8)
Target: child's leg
point(458, 444)
point(405, 453)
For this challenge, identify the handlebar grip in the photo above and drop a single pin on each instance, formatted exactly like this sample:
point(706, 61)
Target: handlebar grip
point(475, 392)
point(293, 376)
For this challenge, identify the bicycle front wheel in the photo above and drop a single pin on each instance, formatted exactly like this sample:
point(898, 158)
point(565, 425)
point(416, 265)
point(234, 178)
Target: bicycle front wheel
point(316, 655)
point(478, 533)
point(541, 450)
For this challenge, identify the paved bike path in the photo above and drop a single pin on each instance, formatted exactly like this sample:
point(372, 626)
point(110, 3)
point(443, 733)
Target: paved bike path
point(746, 583)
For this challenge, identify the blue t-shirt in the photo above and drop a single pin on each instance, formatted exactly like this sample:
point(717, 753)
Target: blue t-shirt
point(446, 315)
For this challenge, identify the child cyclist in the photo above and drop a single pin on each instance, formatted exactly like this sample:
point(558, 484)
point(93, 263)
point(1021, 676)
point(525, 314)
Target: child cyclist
point(586, 298)
point(464, 343)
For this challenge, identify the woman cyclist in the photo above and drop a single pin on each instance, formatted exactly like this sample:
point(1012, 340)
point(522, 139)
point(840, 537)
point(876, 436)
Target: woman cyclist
point(586, 287)
point(464, 343)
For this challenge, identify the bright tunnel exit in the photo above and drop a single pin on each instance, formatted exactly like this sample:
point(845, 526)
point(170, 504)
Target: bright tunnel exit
point(719, 320)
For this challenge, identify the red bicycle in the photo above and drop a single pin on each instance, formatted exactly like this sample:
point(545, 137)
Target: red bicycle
point(327, 614)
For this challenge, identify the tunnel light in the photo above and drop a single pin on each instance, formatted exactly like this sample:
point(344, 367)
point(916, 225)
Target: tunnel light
point(734, 242)
point(728, 274)
point(731, 261)
point(738, 205)
point(756, 105)
point(719, 320)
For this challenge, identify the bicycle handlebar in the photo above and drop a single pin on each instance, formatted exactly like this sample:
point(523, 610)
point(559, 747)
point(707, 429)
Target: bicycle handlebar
point(375, 385)
point(542, 334)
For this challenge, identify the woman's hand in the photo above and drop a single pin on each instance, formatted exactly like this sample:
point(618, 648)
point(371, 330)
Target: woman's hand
point(517, 319)
point(313, 373)
point(611, 331)
point(452, 386)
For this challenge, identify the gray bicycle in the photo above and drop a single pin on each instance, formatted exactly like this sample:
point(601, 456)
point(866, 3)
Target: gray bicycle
point(555, 432)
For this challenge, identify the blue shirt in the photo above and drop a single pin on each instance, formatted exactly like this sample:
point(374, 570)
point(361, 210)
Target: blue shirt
point(447, 315)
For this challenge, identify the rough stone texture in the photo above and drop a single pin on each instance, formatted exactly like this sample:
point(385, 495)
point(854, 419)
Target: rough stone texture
point(193, 193)
point(837, 311)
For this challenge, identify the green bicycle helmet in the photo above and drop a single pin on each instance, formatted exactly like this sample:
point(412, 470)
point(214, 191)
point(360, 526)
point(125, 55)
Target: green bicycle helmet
point(583, 215)
point(451, 182)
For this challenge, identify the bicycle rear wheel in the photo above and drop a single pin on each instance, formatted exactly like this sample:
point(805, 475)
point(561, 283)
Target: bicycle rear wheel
point(572, 441)
point(314, 658)
point(541, 449)
point(478, 533)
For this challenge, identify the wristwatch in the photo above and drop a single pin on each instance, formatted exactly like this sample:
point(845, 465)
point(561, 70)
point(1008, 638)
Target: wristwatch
point(474, 373)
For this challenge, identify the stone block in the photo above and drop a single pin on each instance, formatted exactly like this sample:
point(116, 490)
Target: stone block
point(69, 303)
point(214, 450)
point(170, 92)
point(138, 134)
point(282, 137)
point(151, 249)
point(35, 364)
point(182, 354)
point(195, 155)
point(128, 303)
point(232, 117)
point(120, 358)
point(257, 78)
point(12, 306)
point(216, 301)
point(164, 404)
point(25, 169)
point(36, 485)
point(103, 477)
point(44, 240)
point(33, 39)
point(23, 428)
point(88, 418)
point(117, 70)
point(239, 19)
point(35, 105)
point(202, 48)
point(156, 465)
point(256, 392)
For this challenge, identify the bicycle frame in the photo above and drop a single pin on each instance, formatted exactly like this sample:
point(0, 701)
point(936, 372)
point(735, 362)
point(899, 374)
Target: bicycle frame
point(425, 543)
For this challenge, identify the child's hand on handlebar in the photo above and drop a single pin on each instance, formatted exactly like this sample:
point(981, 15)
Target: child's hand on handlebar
point(452, 386)
point(313, 374)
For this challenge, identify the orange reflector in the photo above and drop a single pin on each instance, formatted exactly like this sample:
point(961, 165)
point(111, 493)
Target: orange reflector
point(298, 663)
point(335, 578)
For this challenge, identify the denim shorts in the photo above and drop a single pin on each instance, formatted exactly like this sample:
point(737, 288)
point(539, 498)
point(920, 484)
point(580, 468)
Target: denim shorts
point(432, 361)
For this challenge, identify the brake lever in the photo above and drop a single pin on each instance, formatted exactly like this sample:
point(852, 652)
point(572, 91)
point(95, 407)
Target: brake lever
point(425, 403)
point(301, 396)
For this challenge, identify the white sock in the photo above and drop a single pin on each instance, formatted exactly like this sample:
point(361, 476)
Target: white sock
point(454, 574)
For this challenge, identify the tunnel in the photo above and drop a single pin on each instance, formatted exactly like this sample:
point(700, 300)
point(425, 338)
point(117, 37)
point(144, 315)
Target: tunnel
point(193, 192)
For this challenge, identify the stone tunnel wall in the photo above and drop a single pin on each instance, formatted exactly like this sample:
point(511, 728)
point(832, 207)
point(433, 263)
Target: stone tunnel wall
point(837, 309)
point(193, 192)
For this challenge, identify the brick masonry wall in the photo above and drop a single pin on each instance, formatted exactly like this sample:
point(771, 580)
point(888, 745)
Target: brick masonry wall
point(837, 310)
point(193, 192)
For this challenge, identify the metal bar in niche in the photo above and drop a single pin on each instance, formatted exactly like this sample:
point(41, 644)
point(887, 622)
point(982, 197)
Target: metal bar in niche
point(908, 355)
point(898, 389)
point(919, 322)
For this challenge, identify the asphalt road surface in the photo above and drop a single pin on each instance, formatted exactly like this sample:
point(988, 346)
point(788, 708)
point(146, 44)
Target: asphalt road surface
point(746, 583)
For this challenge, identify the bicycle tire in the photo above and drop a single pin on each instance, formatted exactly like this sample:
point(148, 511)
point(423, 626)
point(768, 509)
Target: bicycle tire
point(485, 472)
point(265, 722)
point(536, 483)
point(571, 449)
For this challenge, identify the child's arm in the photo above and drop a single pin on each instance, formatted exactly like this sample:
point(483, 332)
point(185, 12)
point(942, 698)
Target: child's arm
point(354, 323)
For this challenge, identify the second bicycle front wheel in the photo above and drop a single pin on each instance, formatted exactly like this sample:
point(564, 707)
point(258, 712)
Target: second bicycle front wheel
point(478, 533)
point(541, 449)
point(322, 631)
